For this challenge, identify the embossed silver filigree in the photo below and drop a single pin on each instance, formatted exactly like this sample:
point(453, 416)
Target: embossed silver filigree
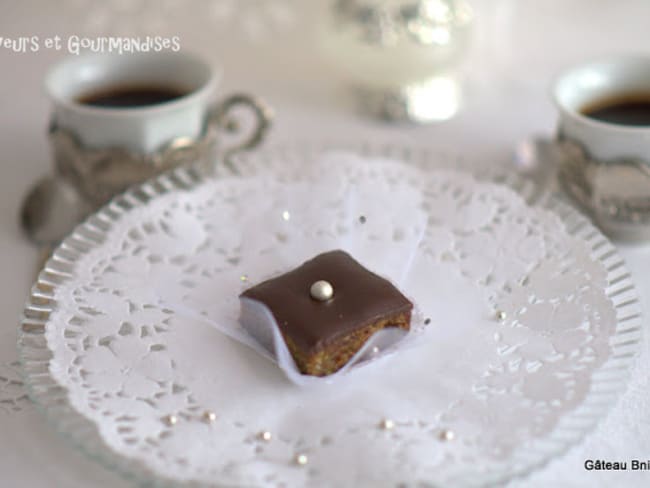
point(400, 56)
point(616, 192)
point(426, 22)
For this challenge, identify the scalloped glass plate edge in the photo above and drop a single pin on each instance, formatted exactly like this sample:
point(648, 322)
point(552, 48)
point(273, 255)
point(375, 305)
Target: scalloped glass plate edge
point(51, 399)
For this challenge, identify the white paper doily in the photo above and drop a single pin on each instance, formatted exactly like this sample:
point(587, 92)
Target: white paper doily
point(110, 365)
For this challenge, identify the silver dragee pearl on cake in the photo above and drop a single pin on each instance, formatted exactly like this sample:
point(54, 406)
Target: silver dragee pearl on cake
point(387, 424)
point(501, 315)
point(321, 290)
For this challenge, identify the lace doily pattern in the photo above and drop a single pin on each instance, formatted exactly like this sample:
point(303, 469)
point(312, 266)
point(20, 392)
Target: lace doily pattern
point(532, 323)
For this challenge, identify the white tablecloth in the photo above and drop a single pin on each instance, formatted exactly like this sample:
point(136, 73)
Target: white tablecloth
point(520, 46)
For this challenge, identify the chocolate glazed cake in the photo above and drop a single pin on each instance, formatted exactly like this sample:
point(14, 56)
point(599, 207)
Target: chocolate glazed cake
point(328, 307)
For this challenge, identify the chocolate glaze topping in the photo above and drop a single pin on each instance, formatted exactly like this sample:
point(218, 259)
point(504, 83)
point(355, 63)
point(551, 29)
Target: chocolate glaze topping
point(360, 298)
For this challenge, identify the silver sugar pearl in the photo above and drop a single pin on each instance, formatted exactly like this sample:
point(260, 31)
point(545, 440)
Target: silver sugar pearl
point(265, 436)
point(375, 350)
point(170, 420)
point(286, 215)
point(301, 459)
point(446, 435)
point(387, 424)
point(321, 290)
point(243, 277)
point(500, 315)
point(209, 416)
point(362, 219)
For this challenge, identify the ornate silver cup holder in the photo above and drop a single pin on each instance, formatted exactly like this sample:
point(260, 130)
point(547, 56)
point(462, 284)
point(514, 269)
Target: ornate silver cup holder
point(99, 174)
point(86, 178)
point(615, 193)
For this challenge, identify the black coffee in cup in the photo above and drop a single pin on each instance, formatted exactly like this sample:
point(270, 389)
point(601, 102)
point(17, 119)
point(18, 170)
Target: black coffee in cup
point(131, 96)
point(625, 109)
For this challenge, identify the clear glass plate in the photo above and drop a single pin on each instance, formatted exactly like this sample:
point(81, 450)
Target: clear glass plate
point(43, 326)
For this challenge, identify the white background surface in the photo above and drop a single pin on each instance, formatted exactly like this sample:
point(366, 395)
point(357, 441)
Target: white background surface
point(521, 46)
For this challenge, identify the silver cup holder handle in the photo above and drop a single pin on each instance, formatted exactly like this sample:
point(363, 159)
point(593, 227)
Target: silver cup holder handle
point(223, 118)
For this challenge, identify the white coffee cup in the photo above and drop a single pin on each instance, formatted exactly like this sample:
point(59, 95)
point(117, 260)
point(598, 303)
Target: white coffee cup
point(605, 165)
point(144, 128)
point(102, 150)
point(581, 86)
